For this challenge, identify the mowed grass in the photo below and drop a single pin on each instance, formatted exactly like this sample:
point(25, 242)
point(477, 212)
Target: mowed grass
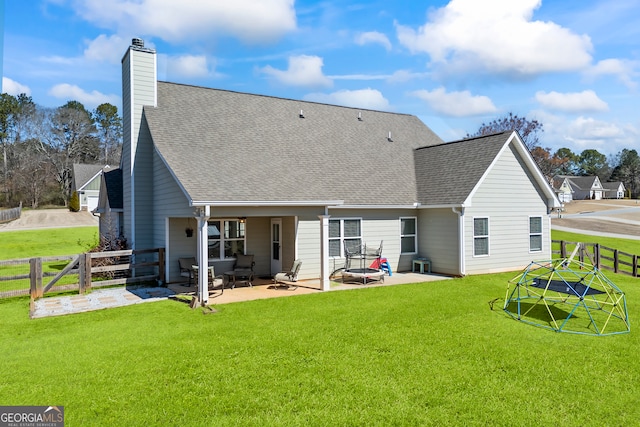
point(419, 354)
point(47, 242)
point(41, 243)
point(427, 354)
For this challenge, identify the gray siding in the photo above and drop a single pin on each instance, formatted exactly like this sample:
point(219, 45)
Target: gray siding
point(438, 240)
point(508, 197)
point(138, 89)
point(309, 246)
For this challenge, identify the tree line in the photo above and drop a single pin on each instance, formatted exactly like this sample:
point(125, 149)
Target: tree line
point(623, 166)
point(40, 146)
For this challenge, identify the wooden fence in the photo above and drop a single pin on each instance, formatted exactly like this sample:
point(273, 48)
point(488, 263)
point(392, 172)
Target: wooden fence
point(10, 214)
point(84, 271)
point(601, 256)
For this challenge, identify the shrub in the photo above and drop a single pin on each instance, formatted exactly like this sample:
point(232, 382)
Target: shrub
point(74, 202)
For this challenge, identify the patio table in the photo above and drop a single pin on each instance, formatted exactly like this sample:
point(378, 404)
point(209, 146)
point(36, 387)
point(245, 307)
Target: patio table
point(239, 275)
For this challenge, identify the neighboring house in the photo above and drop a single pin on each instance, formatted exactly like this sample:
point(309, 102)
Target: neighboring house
point(86, 182)
point(109, 207)
point(582, 187)
point(563, 188)
point(614, 190)
point(285, 179)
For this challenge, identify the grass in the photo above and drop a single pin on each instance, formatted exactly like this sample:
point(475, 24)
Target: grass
point(626, 245)
point(425, 354)
point(47, 242)
point(42, 243)
point(419, 354)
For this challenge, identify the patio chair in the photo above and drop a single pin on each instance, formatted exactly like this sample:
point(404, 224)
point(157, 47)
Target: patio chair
point(185, 267)
point(244, 262)
point(242, 270)
point(287, 276)
point(211, 278)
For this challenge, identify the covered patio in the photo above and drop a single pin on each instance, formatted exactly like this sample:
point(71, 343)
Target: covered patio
point(264, 288)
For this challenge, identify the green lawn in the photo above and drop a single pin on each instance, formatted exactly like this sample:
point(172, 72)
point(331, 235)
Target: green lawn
point(42, 243)
point(420, 354)
point(47, 242)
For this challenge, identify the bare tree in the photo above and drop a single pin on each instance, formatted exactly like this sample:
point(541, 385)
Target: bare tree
point(72, 139)
point(527, 129)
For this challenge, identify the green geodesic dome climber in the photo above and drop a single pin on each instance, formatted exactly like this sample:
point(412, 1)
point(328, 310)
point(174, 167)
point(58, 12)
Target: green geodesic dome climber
point(567, 295)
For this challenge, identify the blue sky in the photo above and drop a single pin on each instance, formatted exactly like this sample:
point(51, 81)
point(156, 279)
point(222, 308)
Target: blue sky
point(573, 65)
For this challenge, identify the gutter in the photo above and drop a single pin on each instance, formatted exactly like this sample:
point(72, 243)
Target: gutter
point(461, 242)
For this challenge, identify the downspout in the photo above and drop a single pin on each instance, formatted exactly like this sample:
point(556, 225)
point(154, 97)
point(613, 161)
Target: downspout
point(461, 242)
point(325, 284)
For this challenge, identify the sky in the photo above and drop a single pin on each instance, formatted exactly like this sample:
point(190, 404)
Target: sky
point(573, 65)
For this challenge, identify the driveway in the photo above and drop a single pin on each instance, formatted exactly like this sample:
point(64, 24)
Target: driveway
point(50, 218)
point(613, 218)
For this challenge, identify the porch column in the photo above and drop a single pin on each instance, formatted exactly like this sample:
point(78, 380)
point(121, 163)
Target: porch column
point(324, 252)
point(202, 255)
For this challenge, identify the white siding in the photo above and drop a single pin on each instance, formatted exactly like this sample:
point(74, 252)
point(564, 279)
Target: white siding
point(508, 197)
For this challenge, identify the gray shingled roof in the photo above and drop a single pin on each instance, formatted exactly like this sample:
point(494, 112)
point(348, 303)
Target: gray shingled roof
point(82, 173)
point(113, 184)
point(447, 173)
point(230, 146)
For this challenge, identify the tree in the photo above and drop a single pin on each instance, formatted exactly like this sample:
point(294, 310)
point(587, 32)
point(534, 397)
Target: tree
point(527, 129)
point(627, 170)
point(591, 162)
point(568, 162)
point(8, 110)
point(72, 139)
point(109, 126)
point(32, 173)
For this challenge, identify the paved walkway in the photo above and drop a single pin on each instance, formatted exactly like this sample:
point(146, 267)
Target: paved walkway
point(97, 300)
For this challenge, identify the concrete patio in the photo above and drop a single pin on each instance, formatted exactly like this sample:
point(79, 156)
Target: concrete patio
point(100, 299)
point(265, 288)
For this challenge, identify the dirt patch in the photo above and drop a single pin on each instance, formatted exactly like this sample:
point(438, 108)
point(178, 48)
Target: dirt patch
point(50, 218)
point(600, 226)
point(607, 220)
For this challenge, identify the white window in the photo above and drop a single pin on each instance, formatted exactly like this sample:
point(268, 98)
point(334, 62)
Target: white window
point(535, 234)
point(231, 237)
point(408, 235)
point(344, 232)
point(480, 236)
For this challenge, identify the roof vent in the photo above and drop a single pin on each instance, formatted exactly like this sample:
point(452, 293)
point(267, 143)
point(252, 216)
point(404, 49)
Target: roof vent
point(301, 114)
point(389, 137)
point(137, 42)
point(360, 115)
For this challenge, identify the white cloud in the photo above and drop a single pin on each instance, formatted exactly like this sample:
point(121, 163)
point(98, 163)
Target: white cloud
point(496, 36)
point(575, 102)
point(456, 104)
point(403, 76)
point(177, 21)
point(188, 66)
point(373, 37)
point(624, 70)
point(370, 99)
point(589, 129)
point(14, 88)
point(90, 100)
point(105, 48)
point(303, 70)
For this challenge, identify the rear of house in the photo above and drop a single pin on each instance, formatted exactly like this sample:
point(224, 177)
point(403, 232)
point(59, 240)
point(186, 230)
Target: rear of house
point(212, 173)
